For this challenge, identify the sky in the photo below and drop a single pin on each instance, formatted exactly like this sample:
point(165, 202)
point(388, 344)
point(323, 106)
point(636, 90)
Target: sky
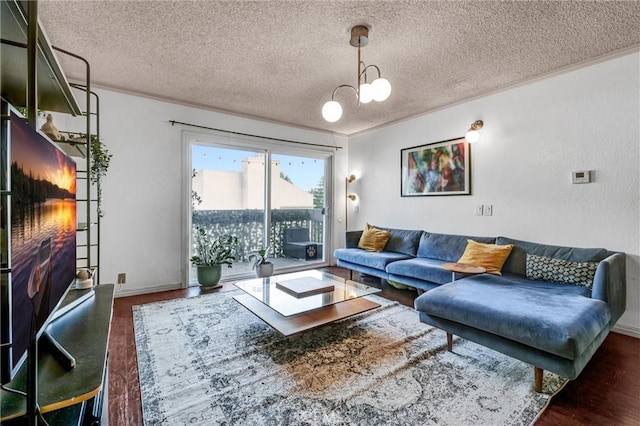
point(304, 172)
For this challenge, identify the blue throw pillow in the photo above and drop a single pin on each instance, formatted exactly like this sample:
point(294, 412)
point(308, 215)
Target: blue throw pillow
point(403, 241)
point(558, 270)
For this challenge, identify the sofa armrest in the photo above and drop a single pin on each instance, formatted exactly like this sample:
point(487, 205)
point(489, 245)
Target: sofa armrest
point(610, 284)
point(352, 238)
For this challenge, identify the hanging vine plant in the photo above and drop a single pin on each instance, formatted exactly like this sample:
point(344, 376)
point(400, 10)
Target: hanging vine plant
point(100, 159)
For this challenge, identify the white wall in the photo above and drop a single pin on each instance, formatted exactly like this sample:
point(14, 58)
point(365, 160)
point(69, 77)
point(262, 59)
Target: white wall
point(533, 137)
point(143, 201)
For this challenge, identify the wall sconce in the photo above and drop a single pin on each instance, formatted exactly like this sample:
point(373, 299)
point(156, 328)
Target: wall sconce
point(348, 197)
point(473, 134)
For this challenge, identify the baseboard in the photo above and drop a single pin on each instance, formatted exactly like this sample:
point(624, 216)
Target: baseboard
point(627, 330)
point(125, 291)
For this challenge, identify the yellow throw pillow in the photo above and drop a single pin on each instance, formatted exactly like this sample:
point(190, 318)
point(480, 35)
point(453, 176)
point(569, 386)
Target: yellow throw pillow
point(373, 239)
point(489, 256)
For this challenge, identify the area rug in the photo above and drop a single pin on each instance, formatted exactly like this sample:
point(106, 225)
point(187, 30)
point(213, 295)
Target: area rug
point(207, 360)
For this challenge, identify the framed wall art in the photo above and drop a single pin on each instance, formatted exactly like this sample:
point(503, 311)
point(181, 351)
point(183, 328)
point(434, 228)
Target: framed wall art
point(440, 168)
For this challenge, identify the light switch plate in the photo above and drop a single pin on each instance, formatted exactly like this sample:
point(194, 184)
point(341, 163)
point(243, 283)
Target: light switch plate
point(488, 209)
point(478, 209)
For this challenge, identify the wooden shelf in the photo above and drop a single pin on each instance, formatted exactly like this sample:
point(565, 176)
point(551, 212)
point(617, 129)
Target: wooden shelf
point(73, 148)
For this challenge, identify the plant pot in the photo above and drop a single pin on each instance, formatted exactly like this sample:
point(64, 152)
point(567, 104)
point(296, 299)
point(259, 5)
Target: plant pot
point(264, 270)
point(209, 276)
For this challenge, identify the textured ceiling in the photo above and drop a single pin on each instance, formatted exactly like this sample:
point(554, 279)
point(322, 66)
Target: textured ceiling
point(281, 60)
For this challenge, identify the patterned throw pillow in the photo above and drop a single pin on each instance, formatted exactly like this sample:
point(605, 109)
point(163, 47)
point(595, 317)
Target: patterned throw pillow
point(558, 270)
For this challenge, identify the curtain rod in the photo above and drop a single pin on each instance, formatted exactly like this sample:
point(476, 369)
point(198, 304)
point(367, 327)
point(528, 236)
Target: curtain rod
point(174, 122)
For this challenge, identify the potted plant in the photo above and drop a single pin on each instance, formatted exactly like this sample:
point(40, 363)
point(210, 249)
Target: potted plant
point(100, 159)
point(263, 267)
point(211, 254)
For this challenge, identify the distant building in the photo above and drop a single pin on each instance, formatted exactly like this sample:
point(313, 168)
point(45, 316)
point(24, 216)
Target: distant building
point(221, 190)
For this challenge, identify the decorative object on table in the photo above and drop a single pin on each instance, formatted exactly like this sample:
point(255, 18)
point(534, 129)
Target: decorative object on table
point(378, 90)
point(376, 368)
point(305, 286)
point(50, 130)
point(84, 278)
point(441, 168)
point(261, 265)
point(211, 254)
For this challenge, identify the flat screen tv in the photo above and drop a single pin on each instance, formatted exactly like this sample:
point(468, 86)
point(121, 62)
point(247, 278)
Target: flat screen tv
point(42, 244)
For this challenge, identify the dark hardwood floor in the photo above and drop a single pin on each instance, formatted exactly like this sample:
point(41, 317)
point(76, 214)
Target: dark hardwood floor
point(606, 393)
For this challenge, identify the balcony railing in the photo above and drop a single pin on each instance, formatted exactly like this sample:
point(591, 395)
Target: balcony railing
point(248, 226)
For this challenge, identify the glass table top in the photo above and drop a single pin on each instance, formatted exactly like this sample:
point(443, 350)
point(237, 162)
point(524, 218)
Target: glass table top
point(279, 291)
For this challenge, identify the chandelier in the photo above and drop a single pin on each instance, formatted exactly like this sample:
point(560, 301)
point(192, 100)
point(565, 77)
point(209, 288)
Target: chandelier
point(378, 90)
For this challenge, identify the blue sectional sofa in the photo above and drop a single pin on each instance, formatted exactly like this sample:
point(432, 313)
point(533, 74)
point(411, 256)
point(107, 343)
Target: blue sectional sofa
point(554, 326)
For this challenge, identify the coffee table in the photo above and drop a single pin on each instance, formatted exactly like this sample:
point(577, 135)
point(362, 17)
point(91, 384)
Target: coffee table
point(276, 300)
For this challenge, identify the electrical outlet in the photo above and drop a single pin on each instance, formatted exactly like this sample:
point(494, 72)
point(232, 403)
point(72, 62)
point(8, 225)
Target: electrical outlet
point(488, 209)
point(478, 209)
point(122, 278)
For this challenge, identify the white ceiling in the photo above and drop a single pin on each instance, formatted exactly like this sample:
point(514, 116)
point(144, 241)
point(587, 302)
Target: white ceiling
point(281, 60)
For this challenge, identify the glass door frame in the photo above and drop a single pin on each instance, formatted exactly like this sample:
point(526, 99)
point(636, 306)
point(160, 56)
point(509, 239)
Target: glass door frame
point(268, 147)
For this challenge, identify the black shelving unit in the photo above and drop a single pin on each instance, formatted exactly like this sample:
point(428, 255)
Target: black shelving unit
point(78, 146)
point(55, 94)
point(32, 76)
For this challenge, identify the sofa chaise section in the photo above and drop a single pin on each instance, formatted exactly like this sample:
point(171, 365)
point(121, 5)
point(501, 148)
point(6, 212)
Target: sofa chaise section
point(554, 326)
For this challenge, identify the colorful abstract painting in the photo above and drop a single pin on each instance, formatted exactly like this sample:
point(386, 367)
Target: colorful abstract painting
point(441, 168)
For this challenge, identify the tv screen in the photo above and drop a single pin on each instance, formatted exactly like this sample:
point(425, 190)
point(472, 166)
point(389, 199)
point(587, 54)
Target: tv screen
point(43, 236)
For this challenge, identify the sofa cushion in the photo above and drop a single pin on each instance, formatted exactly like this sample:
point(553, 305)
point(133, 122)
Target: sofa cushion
point(421, 268)
point(367, 258)
point(551, 317)
point(517, 260)
point(373, 239)
point(489, 256)
point(403, 241)
point(446, 247)
point(558, 270)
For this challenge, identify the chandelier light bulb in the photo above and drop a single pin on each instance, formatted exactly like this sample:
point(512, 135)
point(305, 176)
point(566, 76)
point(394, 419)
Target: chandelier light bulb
point(472, 136)
point(366, 93)
point(381, 89)
point(332, 111)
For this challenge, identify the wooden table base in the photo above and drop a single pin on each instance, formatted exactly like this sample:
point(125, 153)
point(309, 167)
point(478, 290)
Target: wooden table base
point(304, 321)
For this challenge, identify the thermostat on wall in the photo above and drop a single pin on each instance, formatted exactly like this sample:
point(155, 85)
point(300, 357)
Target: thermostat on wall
point(583, 176)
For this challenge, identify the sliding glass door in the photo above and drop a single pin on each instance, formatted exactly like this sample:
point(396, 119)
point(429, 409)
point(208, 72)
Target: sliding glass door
point(263, 197)
point(297, 209)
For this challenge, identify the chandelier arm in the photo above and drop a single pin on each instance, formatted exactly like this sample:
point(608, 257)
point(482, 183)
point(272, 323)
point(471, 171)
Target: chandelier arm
point(364, 71)
point(362, 66)
point(359, 75)
point(343, 85)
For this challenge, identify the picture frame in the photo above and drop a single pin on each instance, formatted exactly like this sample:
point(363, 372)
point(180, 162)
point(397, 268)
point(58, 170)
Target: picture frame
point(439, 168)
